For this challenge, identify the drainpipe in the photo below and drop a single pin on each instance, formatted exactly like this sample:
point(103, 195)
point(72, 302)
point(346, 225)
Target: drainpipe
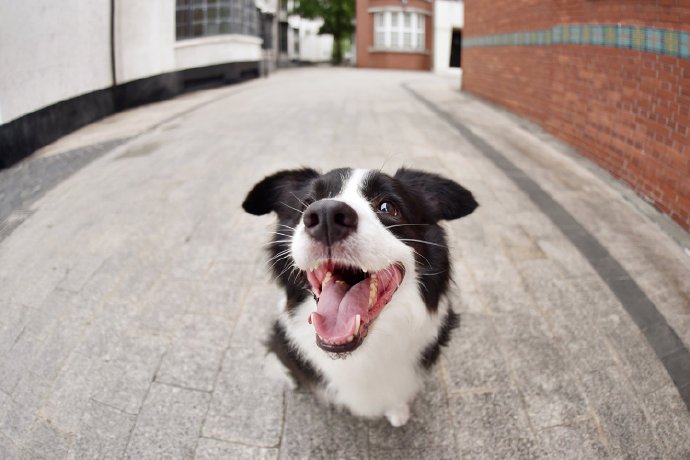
point(112, 43)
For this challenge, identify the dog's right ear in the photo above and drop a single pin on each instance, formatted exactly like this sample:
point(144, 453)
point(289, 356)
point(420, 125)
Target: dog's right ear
point(276, 192)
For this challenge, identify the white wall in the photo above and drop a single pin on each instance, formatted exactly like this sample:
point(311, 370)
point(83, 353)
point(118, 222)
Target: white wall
point(314, 47)
point(448, 15)
point(51, 51)
point(217, 49)
point(144, 38)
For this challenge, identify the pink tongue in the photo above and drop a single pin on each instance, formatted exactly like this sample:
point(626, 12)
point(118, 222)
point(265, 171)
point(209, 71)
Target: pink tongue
point(334, 319)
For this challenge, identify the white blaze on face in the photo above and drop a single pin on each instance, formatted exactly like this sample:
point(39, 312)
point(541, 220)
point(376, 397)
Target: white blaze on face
point(371, 247)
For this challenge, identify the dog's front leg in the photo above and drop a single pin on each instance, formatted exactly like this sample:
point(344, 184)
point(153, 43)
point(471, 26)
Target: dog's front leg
point(399, 415)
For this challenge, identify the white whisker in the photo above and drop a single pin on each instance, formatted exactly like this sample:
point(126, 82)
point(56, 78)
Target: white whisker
point(294, 209)
point(424, 242)
point(406, 225)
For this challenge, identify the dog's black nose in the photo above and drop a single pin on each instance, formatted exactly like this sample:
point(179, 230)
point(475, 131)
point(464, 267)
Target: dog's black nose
point(330, 221)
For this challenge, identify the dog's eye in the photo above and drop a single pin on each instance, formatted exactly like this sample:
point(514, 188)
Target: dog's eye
point(389, 208)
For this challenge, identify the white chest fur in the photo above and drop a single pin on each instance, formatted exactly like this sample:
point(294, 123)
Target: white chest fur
point(383, 375)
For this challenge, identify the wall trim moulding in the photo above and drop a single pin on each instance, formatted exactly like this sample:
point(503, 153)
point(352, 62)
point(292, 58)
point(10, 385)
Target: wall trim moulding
point(665, 42)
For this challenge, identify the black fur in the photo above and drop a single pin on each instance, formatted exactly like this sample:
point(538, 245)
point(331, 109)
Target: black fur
point(423, 199)
point(300, 369)
point(431, 353)
point(444, 198)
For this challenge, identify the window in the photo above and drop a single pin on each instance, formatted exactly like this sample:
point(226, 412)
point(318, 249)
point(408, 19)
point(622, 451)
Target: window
point(399, 30)
point(199, 18)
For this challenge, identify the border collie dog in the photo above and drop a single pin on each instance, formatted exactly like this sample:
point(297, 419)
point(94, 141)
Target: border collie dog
point(365, 269)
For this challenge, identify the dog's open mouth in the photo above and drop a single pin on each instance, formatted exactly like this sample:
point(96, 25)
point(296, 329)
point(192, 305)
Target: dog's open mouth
point(348, 300)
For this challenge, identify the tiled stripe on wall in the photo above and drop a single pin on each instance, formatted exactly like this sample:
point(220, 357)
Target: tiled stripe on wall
point(661, 41)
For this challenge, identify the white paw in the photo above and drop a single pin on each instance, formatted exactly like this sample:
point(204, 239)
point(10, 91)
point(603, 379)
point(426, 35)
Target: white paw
point(398, 416)
point(275, 370)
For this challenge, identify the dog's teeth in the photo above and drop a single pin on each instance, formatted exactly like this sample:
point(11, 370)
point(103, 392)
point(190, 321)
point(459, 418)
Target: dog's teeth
point(326, 280)
point(358, 321)
point(373, 290)
point(350, 339)
point(364, 270)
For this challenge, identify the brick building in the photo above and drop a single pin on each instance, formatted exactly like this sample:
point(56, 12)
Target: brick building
point(394, 34)
point(611, 78)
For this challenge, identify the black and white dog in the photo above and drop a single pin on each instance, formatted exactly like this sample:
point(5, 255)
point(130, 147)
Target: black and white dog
point(365, 268)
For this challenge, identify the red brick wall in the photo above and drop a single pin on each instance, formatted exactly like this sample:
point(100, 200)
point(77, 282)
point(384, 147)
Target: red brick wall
point(629, 111)
point(393, 60)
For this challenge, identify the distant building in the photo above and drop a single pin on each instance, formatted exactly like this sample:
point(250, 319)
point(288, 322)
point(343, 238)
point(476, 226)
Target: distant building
point(448, 23)
point(68, 63)
point(299, 40)
point(409, 34)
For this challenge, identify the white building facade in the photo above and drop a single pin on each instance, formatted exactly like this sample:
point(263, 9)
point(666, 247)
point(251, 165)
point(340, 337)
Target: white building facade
point(66, 63)
point(448, 24)
point(299, 40)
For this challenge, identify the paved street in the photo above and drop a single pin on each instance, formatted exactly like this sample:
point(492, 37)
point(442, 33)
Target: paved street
point(134, 294)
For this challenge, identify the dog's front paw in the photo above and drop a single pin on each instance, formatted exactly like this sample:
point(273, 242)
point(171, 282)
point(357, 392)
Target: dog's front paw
point(398, 416)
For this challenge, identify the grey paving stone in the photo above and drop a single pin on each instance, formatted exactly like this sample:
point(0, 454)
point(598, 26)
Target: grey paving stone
point(623, 421)
point(103, 433)
point(169, 423)
point(193, 260)
point(12, 325)
point(169, 298)
point(246, 407)
point(473, 358)
point(16, 418)
point(670, 419)
point(36, 287)
point(580, 441)
point(536, 224)
point(127, 370)
point(518, 245)
point(81, 272)
point(259, 311)
point(549, 388)
point(493, 425)
point(8, 449)
point(435, 453)
point(572, 317)
point(19, 412)
point(70, 394)
point(224, 288)
point(47, 442)
point(194, 359)
point(17, 362)
point(638, 360)
point(213, 449)
point(678, 366)
point(313, 430)
point(561, 251)
point(429, 425)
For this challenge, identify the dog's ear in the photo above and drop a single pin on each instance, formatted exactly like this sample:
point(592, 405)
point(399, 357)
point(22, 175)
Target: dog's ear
point(445, 199)
point(276, 191)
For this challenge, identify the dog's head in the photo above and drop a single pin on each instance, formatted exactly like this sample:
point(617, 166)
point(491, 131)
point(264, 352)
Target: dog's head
point(351, 237)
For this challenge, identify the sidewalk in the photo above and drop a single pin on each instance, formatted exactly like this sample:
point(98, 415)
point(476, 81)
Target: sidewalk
point(134, 293)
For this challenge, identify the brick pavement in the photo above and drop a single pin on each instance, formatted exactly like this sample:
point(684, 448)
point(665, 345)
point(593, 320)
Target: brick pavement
point(135, 297)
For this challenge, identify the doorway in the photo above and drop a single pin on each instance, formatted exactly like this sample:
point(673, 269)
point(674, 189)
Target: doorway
point(456, 48)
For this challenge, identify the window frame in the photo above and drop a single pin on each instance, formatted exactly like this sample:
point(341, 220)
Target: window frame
point(400, 30)
point(208, 18)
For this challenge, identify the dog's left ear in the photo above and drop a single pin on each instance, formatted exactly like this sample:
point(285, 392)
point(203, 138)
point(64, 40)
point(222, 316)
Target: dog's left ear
point(277, 192)
point(445, 198)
